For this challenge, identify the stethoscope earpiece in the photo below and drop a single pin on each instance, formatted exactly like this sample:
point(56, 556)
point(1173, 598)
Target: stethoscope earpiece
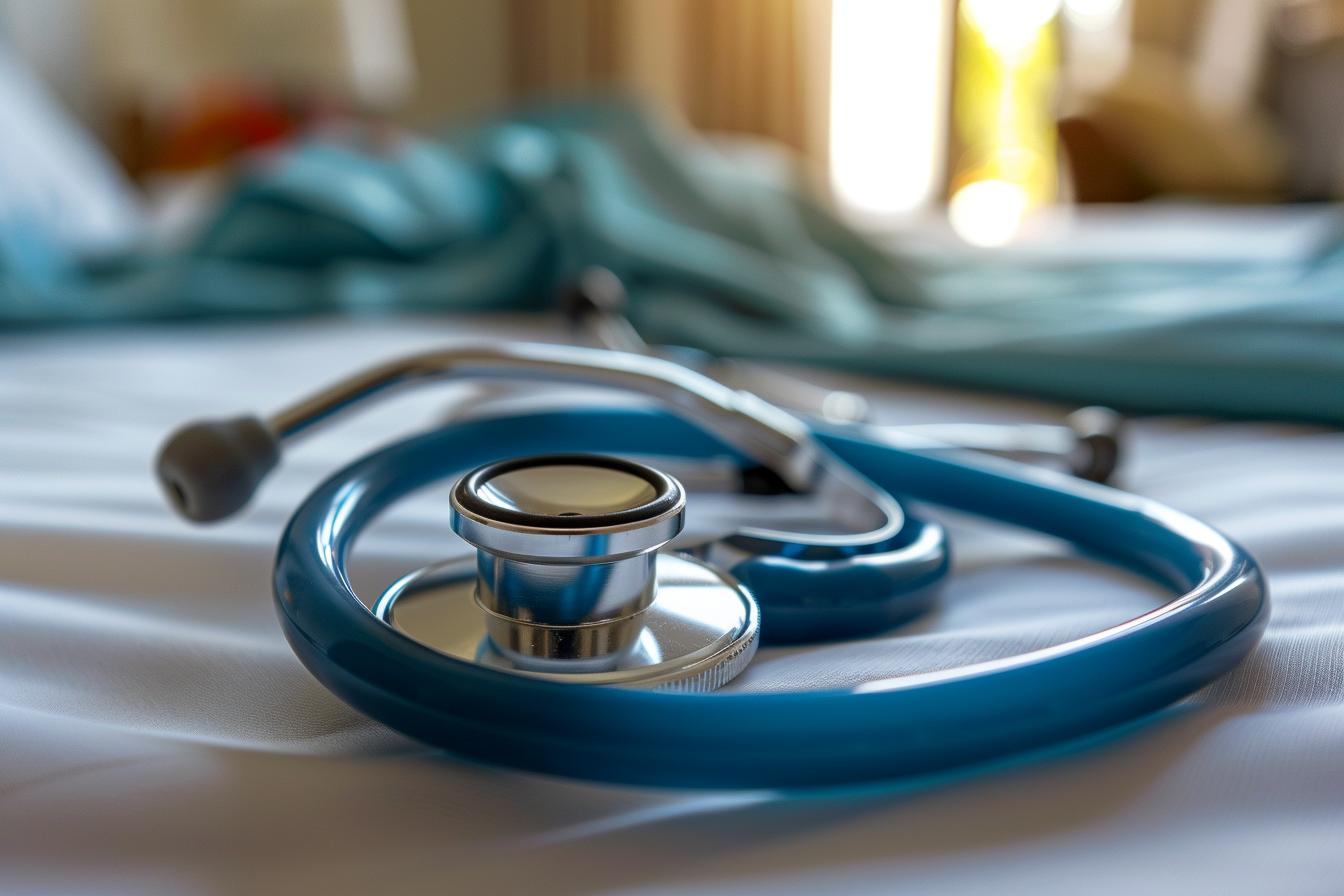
point(210, 470)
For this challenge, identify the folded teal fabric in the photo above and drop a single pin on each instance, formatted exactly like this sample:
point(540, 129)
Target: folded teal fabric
point(499, 214)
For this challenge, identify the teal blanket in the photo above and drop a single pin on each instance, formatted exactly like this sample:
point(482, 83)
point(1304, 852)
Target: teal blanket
point(498, 215)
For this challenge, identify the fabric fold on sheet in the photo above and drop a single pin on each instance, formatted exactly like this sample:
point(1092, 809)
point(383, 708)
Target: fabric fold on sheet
point(501, 213)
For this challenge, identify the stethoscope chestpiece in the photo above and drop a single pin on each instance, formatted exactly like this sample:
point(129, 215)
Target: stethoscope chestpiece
point(567, 553)
point(569, 583)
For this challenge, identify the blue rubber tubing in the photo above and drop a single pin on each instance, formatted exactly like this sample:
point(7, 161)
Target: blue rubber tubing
point(901, 727)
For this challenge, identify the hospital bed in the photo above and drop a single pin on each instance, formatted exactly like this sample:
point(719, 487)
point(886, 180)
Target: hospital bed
point(157, 735)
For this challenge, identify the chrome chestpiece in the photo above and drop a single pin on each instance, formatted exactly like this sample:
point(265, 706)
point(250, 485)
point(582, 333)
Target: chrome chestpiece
point(568, 580)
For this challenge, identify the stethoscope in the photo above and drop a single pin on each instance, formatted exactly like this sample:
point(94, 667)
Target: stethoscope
point(586, 639)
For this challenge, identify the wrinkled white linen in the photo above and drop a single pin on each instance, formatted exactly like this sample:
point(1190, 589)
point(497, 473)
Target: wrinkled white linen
point(158, 736)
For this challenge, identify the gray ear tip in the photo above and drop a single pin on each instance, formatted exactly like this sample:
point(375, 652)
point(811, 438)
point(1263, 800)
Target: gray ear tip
point(210, 469)
point(1101, 430)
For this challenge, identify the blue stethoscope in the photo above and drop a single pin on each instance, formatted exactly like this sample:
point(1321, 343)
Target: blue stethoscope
point(585, 639)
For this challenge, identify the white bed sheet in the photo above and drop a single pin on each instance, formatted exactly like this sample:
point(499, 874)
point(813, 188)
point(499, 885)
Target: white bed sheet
point(158, 736)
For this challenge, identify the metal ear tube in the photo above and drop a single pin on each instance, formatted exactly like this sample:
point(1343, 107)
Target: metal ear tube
point(859, 549)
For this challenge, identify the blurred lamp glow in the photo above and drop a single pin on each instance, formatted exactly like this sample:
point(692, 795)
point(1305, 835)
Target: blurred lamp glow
point(1098, 42)
point(987, 212)
point(888, 94)
point(378, 44)
point(1010, 26)
point(1095, 13)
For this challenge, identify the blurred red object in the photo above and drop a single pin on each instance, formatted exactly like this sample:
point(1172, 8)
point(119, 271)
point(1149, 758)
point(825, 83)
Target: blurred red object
point(218, 119)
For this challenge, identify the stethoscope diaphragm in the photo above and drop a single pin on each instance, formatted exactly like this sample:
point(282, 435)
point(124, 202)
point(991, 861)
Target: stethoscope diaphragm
point(700, 631)
point(568, 582)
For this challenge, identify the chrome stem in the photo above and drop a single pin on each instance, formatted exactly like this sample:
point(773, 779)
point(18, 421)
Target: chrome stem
point(596, 305)
point(766, 434)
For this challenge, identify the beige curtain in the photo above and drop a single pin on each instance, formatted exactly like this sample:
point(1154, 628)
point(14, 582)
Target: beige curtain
point(757, 67)
point(746, 66)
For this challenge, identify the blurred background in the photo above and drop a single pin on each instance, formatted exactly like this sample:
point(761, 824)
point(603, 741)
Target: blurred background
point(903, 112)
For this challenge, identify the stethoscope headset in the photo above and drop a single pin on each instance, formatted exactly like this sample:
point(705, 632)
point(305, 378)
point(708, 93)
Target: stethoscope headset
point(574, 643)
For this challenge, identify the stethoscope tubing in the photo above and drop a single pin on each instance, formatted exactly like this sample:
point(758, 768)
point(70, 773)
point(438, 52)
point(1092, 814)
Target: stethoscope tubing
point(890, 729)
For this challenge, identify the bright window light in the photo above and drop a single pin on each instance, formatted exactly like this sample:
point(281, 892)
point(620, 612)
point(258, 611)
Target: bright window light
point(1007, 81)
point(889, 73)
